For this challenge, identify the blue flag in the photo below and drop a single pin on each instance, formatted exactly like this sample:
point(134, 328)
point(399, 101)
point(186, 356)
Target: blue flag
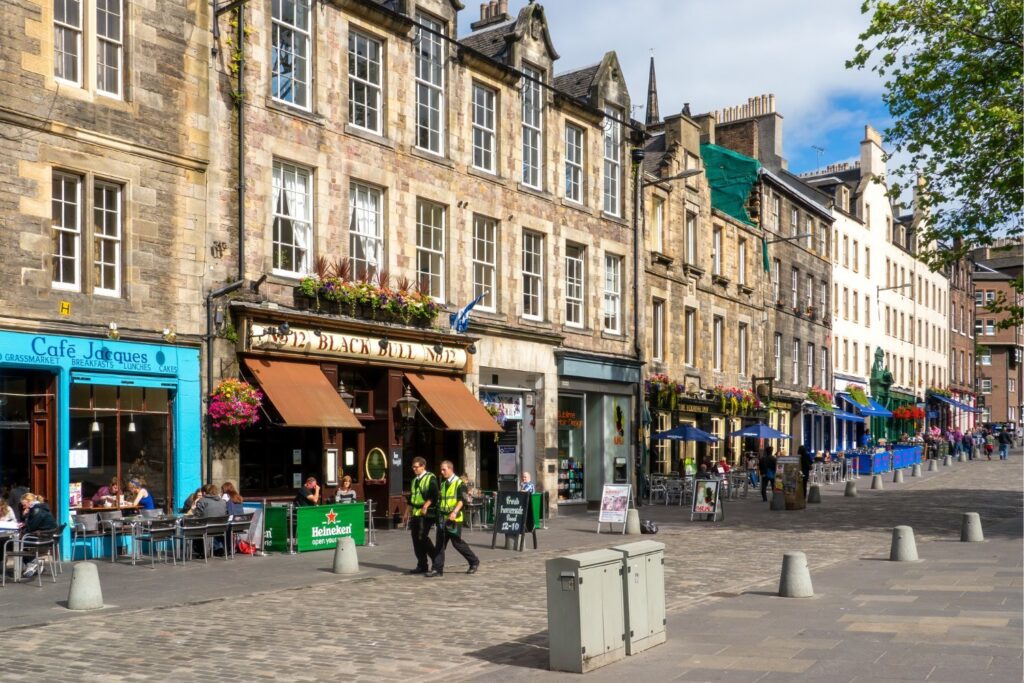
point(460, 321)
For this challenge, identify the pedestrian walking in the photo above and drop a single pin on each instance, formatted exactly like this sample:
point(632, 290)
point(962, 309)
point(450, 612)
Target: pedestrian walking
point(990, 443)
point(422, 500)
point(450, 502)
point(766, 466)
point(805, 466)
point(1005, 441)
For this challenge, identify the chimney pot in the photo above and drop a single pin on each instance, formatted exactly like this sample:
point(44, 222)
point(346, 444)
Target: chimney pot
point(483, 11)
point(503, 6)
point(771, 102)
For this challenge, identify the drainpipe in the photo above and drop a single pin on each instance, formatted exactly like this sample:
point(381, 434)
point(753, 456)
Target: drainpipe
point(213, 294)
point(637, 157)
point(240, 104)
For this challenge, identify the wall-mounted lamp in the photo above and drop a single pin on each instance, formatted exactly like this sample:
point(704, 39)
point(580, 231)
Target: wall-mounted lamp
point(407, 406)
point(280, 330)
point(438, 348)
point(112, 332)
point(471, 349)
point(317, 332)
point(382, 343)
point(169, 335)
point(345, 396)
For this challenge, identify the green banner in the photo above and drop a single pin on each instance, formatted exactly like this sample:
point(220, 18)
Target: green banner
point(317, 527)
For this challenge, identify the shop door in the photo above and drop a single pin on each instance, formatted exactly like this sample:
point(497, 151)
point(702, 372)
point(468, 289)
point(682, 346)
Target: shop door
point(27, 432)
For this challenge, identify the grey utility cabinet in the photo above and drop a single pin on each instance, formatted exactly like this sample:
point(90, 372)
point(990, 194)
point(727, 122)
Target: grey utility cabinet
point(643, 583)
point(585, 621)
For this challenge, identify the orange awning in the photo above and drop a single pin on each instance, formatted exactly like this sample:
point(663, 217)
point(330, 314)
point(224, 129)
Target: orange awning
point(301, 394)
point(452, 403)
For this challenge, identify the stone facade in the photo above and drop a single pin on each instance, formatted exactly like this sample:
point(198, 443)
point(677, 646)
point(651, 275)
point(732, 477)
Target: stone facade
point(961, 339)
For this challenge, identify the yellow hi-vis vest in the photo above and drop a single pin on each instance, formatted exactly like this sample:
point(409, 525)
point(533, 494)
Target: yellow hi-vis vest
point(449, 499)
point(416, 499)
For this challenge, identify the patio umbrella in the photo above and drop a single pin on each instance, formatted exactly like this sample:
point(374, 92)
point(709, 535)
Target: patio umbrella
point(686, 433)
point(760, 431)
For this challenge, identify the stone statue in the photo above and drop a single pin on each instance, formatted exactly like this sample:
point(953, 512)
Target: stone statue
point(881, 378)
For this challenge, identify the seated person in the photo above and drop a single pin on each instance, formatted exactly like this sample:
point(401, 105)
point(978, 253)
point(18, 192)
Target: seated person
point(7, 515)
point(345, 494)
point(139, 496)
point(190, 503)
point(229, 494)
point(38, 517)
point(309, 494)
point(210, 505)
point(109, 494)
point(723, 467)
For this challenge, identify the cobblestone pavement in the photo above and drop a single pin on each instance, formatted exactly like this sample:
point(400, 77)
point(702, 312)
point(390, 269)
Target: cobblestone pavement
point(288, 618)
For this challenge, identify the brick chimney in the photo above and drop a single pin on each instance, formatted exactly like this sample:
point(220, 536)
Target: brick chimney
point(493, 12)
point(754, 129)
point(872, 156)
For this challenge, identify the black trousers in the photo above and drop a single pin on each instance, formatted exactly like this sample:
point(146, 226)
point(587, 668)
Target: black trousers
point(766, 485)
point(444, 536)
point(422, 546)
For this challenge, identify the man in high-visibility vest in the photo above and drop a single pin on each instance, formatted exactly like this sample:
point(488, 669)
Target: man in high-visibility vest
point(449, 526)
point(423, 501)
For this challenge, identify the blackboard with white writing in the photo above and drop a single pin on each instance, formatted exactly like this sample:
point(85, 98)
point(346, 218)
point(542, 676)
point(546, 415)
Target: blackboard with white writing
point(513, 516)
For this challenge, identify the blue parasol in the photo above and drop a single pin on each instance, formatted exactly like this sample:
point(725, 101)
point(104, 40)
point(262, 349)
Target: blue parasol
point(686, 433)
point(761, 431)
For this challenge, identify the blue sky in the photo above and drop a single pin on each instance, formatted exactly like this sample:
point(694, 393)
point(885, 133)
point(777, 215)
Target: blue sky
point(717, 53)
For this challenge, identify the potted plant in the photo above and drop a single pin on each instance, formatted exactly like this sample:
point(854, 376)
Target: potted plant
point(820, 397)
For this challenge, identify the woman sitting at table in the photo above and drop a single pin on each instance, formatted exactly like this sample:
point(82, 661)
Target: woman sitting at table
point(108, 494)
point(233, 498)
point(345, 494)
point(6, 513)
point(139, 496)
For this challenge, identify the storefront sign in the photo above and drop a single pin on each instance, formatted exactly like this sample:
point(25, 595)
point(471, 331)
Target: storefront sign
point(511, 405)
point(569, 418)
point(693, 408)
point(507, 460)
point(91, 353)
point(614, 503)
point(356, 347)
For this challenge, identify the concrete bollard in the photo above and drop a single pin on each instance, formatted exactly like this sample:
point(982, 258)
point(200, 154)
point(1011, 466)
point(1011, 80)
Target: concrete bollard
point(970, 528)
point(876, 482)
point(85, 592)
point(903, 548)
point(851, 489)
point(946, 461)
point(962, 457)
point(345, 559)
point(633, 522)
point(778, 501)
point(795, 581)
point(814, 494)
point(897, 477)
point(932, 465)
point(916, 470)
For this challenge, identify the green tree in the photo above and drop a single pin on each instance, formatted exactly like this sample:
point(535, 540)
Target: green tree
point(952, 71)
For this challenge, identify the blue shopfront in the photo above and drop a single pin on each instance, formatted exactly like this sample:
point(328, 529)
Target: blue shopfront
point(77, 413)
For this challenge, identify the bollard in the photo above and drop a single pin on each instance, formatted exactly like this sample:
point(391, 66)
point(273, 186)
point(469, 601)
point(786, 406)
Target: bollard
point(903, 548)
point(85, 592)
point(633, 522)
point(778, 501)
point(970, 528)
point(946, 461)
point(345, 559)
point(897, 477)
point(916, 470)
point(876, 482)
point(851, 489)
point(814, 494)
point(932, 465)
point(795, 581)
point(962, 457)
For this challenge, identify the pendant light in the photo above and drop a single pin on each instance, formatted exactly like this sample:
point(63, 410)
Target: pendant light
point(95, 428)
point(131, 418)
point(95, 424)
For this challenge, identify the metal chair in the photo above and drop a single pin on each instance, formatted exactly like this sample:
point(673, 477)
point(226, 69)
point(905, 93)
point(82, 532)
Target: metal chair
point(40, 547)
point(112, 522)
point(192, 529)
point(674, 491)
point(86, 527)
point(58, 558)
point(240, 524)
point(155, 513)
point(158, 533)
point(217, 527)
point(371, 530)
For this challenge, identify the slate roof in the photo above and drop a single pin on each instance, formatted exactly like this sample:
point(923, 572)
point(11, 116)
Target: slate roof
point(654, 151)
point(576, 84)
point(491, 41)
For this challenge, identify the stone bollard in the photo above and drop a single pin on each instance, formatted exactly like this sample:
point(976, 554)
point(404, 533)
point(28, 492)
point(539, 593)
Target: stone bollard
point(946, 461)
point(903, 548)
point(795, 581)
point(778, 501)
point(897, 477)
point(932, 465)
point(851, 489)
point(970, 528)
point(916, 470)
point(876, 482)
point(85, 592)
point(962, 457)
point(345, 559)
point(814, 494)
point(633, 522)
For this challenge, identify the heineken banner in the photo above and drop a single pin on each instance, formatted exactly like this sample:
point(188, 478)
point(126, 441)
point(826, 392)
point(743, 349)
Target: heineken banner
point(316, 528)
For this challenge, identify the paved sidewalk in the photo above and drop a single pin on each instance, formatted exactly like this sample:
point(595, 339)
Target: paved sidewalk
point(289, 618)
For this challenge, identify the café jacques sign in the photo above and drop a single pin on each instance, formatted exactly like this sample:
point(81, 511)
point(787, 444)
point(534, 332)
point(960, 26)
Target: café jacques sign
point(355, 347)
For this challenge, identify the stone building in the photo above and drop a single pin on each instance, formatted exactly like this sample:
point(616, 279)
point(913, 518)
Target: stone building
point(104, 151)
point(1000, 351)
point(379, 151)
point(797, 221)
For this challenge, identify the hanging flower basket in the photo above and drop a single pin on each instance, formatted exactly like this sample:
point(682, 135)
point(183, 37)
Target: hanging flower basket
point(820, 397)
point(234, 404)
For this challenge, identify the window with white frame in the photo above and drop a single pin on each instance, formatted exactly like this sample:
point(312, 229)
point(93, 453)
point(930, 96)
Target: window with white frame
point(106, 236)
point(856, 356)
point(290, 68)
point(856, 306)
point(990, 327)
point(777, 349)
point(823, 242)
point(533, 126)
point(985, 356)
point(658, 225)
point(109, 47)
point(67, 40)
point(823, 297)
point(846, 303)
point(366, 231)
point(809, 292)
point(690, 327)
point(809, 232)
point(742, 343)
point(691, 237)
point(776, 282)
point(1011, 385)
point(716, 336)
point(66, 231)
point(573, 163)
point(824, 367)
point(776, 212)
point(612, 293)
point(794, 221)
point(293, 213)
point(846, 251)
point(574, 279)
point(533, 275)
point(612, 161)
point(986, 386)
point(483, 128)
point(741, 262)
point(485, 236)
point(430, 83)
point(430, 248)
point(794, 283)
point(662, 448)
point(867, 262)
point(716, 250)
point(810, 364)
point(365, 76)
point(658, 329)
point(796, 361)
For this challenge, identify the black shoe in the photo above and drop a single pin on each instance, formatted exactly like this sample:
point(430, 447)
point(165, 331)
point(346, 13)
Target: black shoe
point(434, 572)
point(472, 568)
point(417, 571)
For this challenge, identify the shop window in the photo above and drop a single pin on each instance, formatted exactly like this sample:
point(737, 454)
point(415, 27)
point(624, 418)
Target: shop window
point(662, 447)
point(570, 448)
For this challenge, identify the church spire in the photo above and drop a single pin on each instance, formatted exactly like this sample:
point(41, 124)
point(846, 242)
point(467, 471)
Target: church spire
point(653, 117)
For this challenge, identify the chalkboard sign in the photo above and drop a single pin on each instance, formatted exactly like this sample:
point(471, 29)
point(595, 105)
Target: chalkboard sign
point(513, 516)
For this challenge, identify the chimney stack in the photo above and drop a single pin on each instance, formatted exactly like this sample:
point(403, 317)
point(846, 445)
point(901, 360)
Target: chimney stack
point(492, 12)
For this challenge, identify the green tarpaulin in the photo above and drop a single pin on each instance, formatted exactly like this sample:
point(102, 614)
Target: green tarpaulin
point(731, 176)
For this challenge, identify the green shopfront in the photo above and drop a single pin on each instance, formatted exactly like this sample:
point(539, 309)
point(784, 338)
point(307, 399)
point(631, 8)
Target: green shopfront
point(78, 412)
